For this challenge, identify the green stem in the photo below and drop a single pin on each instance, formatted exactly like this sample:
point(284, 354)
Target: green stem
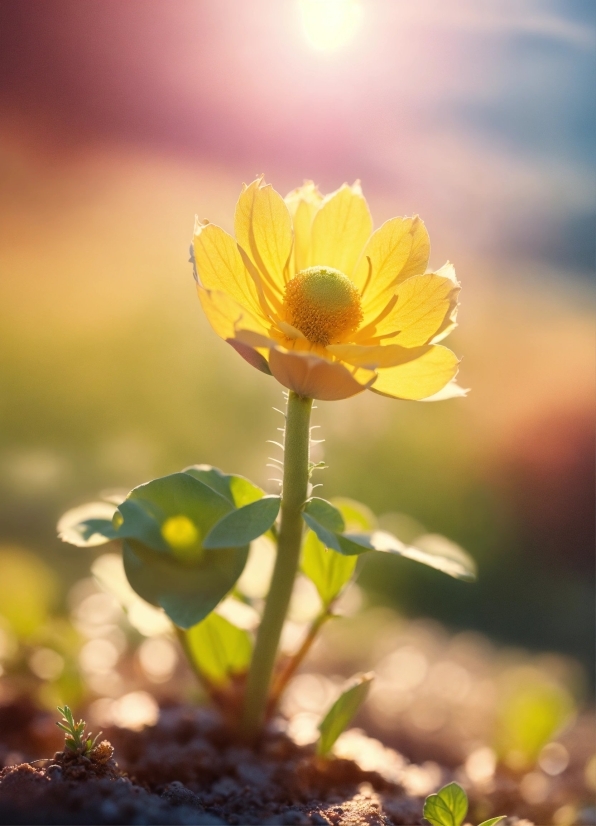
point(294, 491)
point(295, 661)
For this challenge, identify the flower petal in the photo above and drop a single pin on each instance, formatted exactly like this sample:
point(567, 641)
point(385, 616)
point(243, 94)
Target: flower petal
point(303, 202)
point(424, 307)
point(420, 378)
point(316, 378)
point(225, 315)
point(450, 391)
point(397, 250)
point(340, 229)
point(264, 231)
point(220, 266)
point(253, 357)
point(380, 355)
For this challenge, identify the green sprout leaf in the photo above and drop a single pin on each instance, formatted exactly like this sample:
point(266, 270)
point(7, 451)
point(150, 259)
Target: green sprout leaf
point(218, 649)
point(493, 821)
point(342, 711)
point(241, 526)
point(76, 739)
point(448, 807)
point(327, 569)
point(88, 525)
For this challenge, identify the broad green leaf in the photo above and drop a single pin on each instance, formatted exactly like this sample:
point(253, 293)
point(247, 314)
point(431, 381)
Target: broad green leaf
point(163, 524)
point(327, 569)
point(351, 544)
point(244, 524)
point(493, 821)
point(342, 711)
point(172, 514)
point(430, 549)
point(328, 538)
point(236, 489)
point(187, 593)
point(448, 807)
point(325, 514)
point(357, 517)
point(218, 649)
point(346, 544)
point(141, 522)
point(88, 525)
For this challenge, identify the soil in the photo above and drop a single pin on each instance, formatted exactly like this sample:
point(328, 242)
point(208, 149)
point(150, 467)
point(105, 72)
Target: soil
point(189, 769)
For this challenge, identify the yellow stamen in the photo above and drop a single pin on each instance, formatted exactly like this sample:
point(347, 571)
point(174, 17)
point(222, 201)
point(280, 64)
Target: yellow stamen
point(323, 304)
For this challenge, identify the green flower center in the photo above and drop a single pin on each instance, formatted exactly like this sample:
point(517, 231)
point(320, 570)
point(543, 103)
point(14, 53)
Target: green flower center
point(323, 304)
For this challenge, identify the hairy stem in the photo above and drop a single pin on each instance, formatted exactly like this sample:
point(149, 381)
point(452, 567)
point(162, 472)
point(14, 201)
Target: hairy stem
point(294, 491)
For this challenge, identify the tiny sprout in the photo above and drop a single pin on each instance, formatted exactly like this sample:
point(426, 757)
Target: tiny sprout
point(449, 808)
point(76, 739)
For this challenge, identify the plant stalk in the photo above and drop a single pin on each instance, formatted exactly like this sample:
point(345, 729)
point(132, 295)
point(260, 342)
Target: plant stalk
point(284, 677)
point(294, 491)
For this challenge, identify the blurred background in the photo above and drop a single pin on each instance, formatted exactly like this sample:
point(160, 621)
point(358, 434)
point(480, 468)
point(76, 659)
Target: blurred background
point(121, 120)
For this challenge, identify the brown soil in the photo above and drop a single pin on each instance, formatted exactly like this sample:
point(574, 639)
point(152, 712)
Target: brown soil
point(189, 769)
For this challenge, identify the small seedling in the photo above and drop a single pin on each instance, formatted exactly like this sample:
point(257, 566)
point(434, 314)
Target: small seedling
point(449, 807)
point(342, 711)
point(76, 739)
point(308, 294)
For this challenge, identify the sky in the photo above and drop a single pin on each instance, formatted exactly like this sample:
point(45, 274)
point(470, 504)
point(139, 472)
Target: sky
point(484, 110)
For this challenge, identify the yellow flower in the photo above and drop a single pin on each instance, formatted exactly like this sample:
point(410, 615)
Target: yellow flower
point(308, 293)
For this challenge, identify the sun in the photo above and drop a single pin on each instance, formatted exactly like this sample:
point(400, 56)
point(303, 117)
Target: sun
point(330, 24)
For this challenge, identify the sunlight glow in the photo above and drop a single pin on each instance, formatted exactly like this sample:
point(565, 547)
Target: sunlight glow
point(330, 24)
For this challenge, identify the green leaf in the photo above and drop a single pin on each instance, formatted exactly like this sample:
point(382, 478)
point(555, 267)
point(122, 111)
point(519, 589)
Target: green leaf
point(346, 544)
point(328, 538)
point(236, 489)
point(218, 649)
point(88, 525)
point(342, 711)
point(150, 512)
point(430, 549)
point(241, 526)
point(163, 523)
point(325, 514)
point(187, 593)
point(448, 807)
point(328, 570)
point(357, 517)
point(493, 821)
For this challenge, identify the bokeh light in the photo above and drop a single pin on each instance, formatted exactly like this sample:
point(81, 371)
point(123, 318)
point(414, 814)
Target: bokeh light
point(330, 24)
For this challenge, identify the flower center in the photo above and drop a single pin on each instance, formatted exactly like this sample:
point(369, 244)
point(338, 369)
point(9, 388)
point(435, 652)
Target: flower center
point(323, 304)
